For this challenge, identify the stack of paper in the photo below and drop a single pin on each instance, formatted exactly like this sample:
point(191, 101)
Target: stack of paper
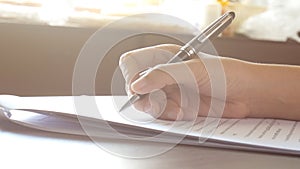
point(98, 117)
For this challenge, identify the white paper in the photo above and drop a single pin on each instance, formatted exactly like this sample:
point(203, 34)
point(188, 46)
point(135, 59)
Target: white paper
point(256, 133)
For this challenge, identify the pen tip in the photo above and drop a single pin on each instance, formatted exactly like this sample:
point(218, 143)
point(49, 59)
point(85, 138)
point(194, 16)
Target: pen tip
point(131, 100)
point(124, 106)
point(121, 109)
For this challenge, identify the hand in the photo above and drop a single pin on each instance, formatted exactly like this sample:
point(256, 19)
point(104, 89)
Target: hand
point(163, 98)
point(252, 89)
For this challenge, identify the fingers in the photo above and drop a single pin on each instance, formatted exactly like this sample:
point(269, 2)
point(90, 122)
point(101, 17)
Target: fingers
point(163, 77)
point(138, 60)
point(205, 76)
point(154, 79)
point(188, 73)
point(160, 105)
point(182, 101)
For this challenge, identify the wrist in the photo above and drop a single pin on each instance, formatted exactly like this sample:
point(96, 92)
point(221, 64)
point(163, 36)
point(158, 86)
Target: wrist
point(273, 91)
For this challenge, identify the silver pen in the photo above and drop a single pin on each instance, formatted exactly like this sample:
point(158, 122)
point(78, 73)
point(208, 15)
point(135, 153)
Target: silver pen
point(194, 46)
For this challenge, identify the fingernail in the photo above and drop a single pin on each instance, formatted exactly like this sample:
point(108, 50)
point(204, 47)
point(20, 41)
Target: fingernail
point(138, 85)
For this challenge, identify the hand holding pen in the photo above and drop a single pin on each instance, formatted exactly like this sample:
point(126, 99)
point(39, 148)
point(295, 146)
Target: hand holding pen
point(185, 53)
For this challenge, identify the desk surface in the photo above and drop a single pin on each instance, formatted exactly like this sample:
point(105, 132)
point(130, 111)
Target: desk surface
point(23, 147)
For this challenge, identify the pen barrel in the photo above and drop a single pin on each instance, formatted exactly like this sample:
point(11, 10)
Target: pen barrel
point(210, 33)
point(200, 41)
point(187, 51)
point(180, 56)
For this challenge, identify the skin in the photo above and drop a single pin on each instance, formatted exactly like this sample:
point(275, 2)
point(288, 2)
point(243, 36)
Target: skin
point(252, 89)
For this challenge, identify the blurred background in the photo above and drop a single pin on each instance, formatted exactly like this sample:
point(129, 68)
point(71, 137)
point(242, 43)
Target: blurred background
point(41, 39)
point(95, 13)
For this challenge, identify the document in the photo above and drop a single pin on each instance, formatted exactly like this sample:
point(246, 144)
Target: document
point(65, 114)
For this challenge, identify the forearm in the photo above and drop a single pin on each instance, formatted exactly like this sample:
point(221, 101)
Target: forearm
point(274, 91)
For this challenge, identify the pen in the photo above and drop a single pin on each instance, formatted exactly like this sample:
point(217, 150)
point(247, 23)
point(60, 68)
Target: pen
point(194, 46)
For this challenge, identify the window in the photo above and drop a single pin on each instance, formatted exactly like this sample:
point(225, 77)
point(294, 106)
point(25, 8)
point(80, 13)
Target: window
point(95, 13)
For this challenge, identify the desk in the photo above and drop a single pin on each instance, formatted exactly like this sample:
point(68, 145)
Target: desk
point(23, 147)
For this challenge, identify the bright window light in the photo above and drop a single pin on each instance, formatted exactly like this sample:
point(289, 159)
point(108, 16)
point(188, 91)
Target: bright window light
point(93, 13)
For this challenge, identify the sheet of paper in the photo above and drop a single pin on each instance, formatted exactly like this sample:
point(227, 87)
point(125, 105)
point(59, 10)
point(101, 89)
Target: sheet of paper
point(268, 133)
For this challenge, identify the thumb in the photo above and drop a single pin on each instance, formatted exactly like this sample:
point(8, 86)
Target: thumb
point(152, 80)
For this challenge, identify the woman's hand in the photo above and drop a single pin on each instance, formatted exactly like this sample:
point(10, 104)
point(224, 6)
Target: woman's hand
point(171, 91)
point(162, 92)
